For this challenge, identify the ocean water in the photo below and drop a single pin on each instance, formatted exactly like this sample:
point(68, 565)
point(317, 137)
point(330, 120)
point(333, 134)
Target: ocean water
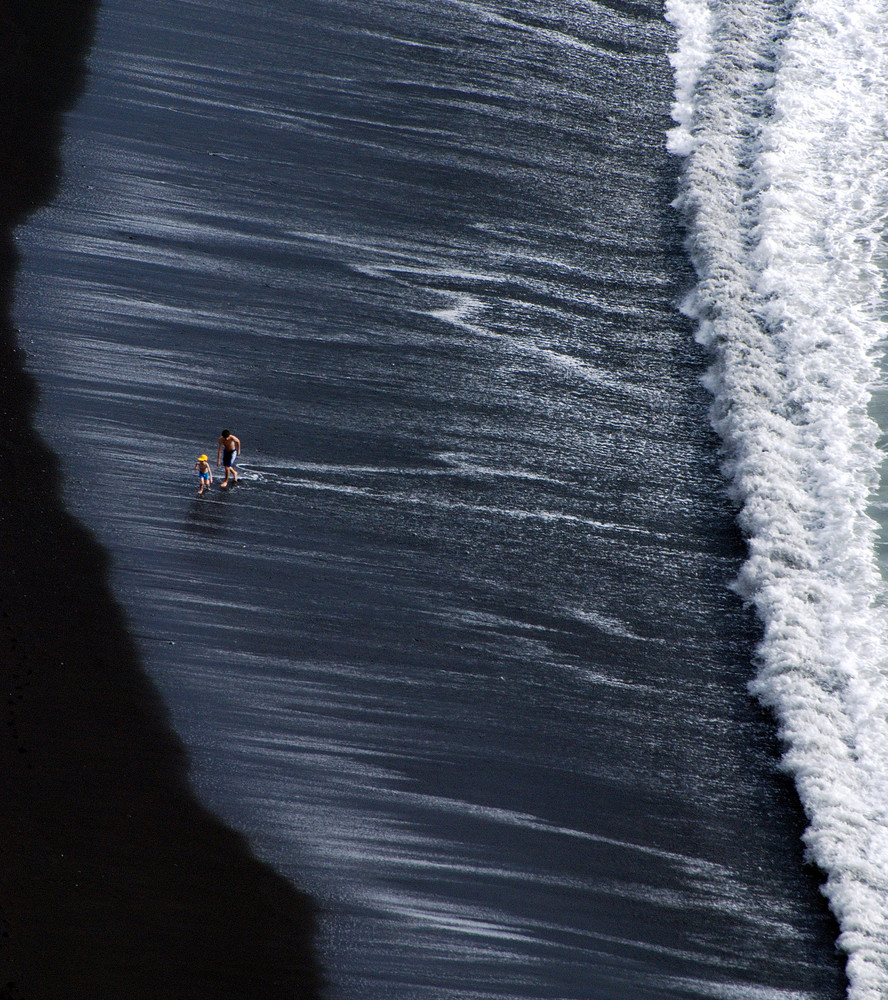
point(541, 642)
point(786, 216)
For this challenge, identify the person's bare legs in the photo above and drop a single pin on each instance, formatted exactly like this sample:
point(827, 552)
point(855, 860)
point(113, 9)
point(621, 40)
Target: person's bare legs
point(229, 471)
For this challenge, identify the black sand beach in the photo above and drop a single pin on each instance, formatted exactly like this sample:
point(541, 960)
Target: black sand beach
point(458, 656)
point(114, 881)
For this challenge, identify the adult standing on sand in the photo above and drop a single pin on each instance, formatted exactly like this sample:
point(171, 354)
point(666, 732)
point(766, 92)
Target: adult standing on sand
point(229, 449)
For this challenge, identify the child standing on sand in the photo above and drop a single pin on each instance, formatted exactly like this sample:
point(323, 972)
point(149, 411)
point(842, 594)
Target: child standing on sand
point(205, 473)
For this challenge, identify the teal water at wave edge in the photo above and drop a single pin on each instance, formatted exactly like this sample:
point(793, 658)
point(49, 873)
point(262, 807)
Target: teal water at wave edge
point(460, 656)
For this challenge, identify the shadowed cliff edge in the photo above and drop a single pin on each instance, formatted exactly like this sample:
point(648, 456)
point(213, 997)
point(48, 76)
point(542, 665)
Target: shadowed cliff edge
point(114, 880)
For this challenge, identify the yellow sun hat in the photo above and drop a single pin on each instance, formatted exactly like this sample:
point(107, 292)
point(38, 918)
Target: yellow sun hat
point(202, 458)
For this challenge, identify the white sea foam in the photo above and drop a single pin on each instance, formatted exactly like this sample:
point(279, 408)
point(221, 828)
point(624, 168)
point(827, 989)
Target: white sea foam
point(693, 21)
point(782, 120)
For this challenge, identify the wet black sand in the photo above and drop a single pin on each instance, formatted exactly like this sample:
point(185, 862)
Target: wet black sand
point(114, 881)
point(458, 656)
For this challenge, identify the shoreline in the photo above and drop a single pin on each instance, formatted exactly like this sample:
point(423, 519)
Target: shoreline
point(114, 879)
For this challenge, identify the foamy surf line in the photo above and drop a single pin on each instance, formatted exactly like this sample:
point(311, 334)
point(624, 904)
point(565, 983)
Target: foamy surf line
point(781, 123)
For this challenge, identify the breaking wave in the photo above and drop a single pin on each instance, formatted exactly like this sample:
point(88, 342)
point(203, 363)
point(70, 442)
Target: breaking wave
point(782, 122)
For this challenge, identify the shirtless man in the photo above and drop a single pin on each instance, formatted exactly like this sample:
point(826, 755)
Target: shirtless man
point(229, 449)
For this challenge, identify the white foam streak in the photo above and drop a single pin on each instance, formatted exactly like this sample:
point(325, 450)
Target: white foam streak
point(784, 189)
point(693, 21)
